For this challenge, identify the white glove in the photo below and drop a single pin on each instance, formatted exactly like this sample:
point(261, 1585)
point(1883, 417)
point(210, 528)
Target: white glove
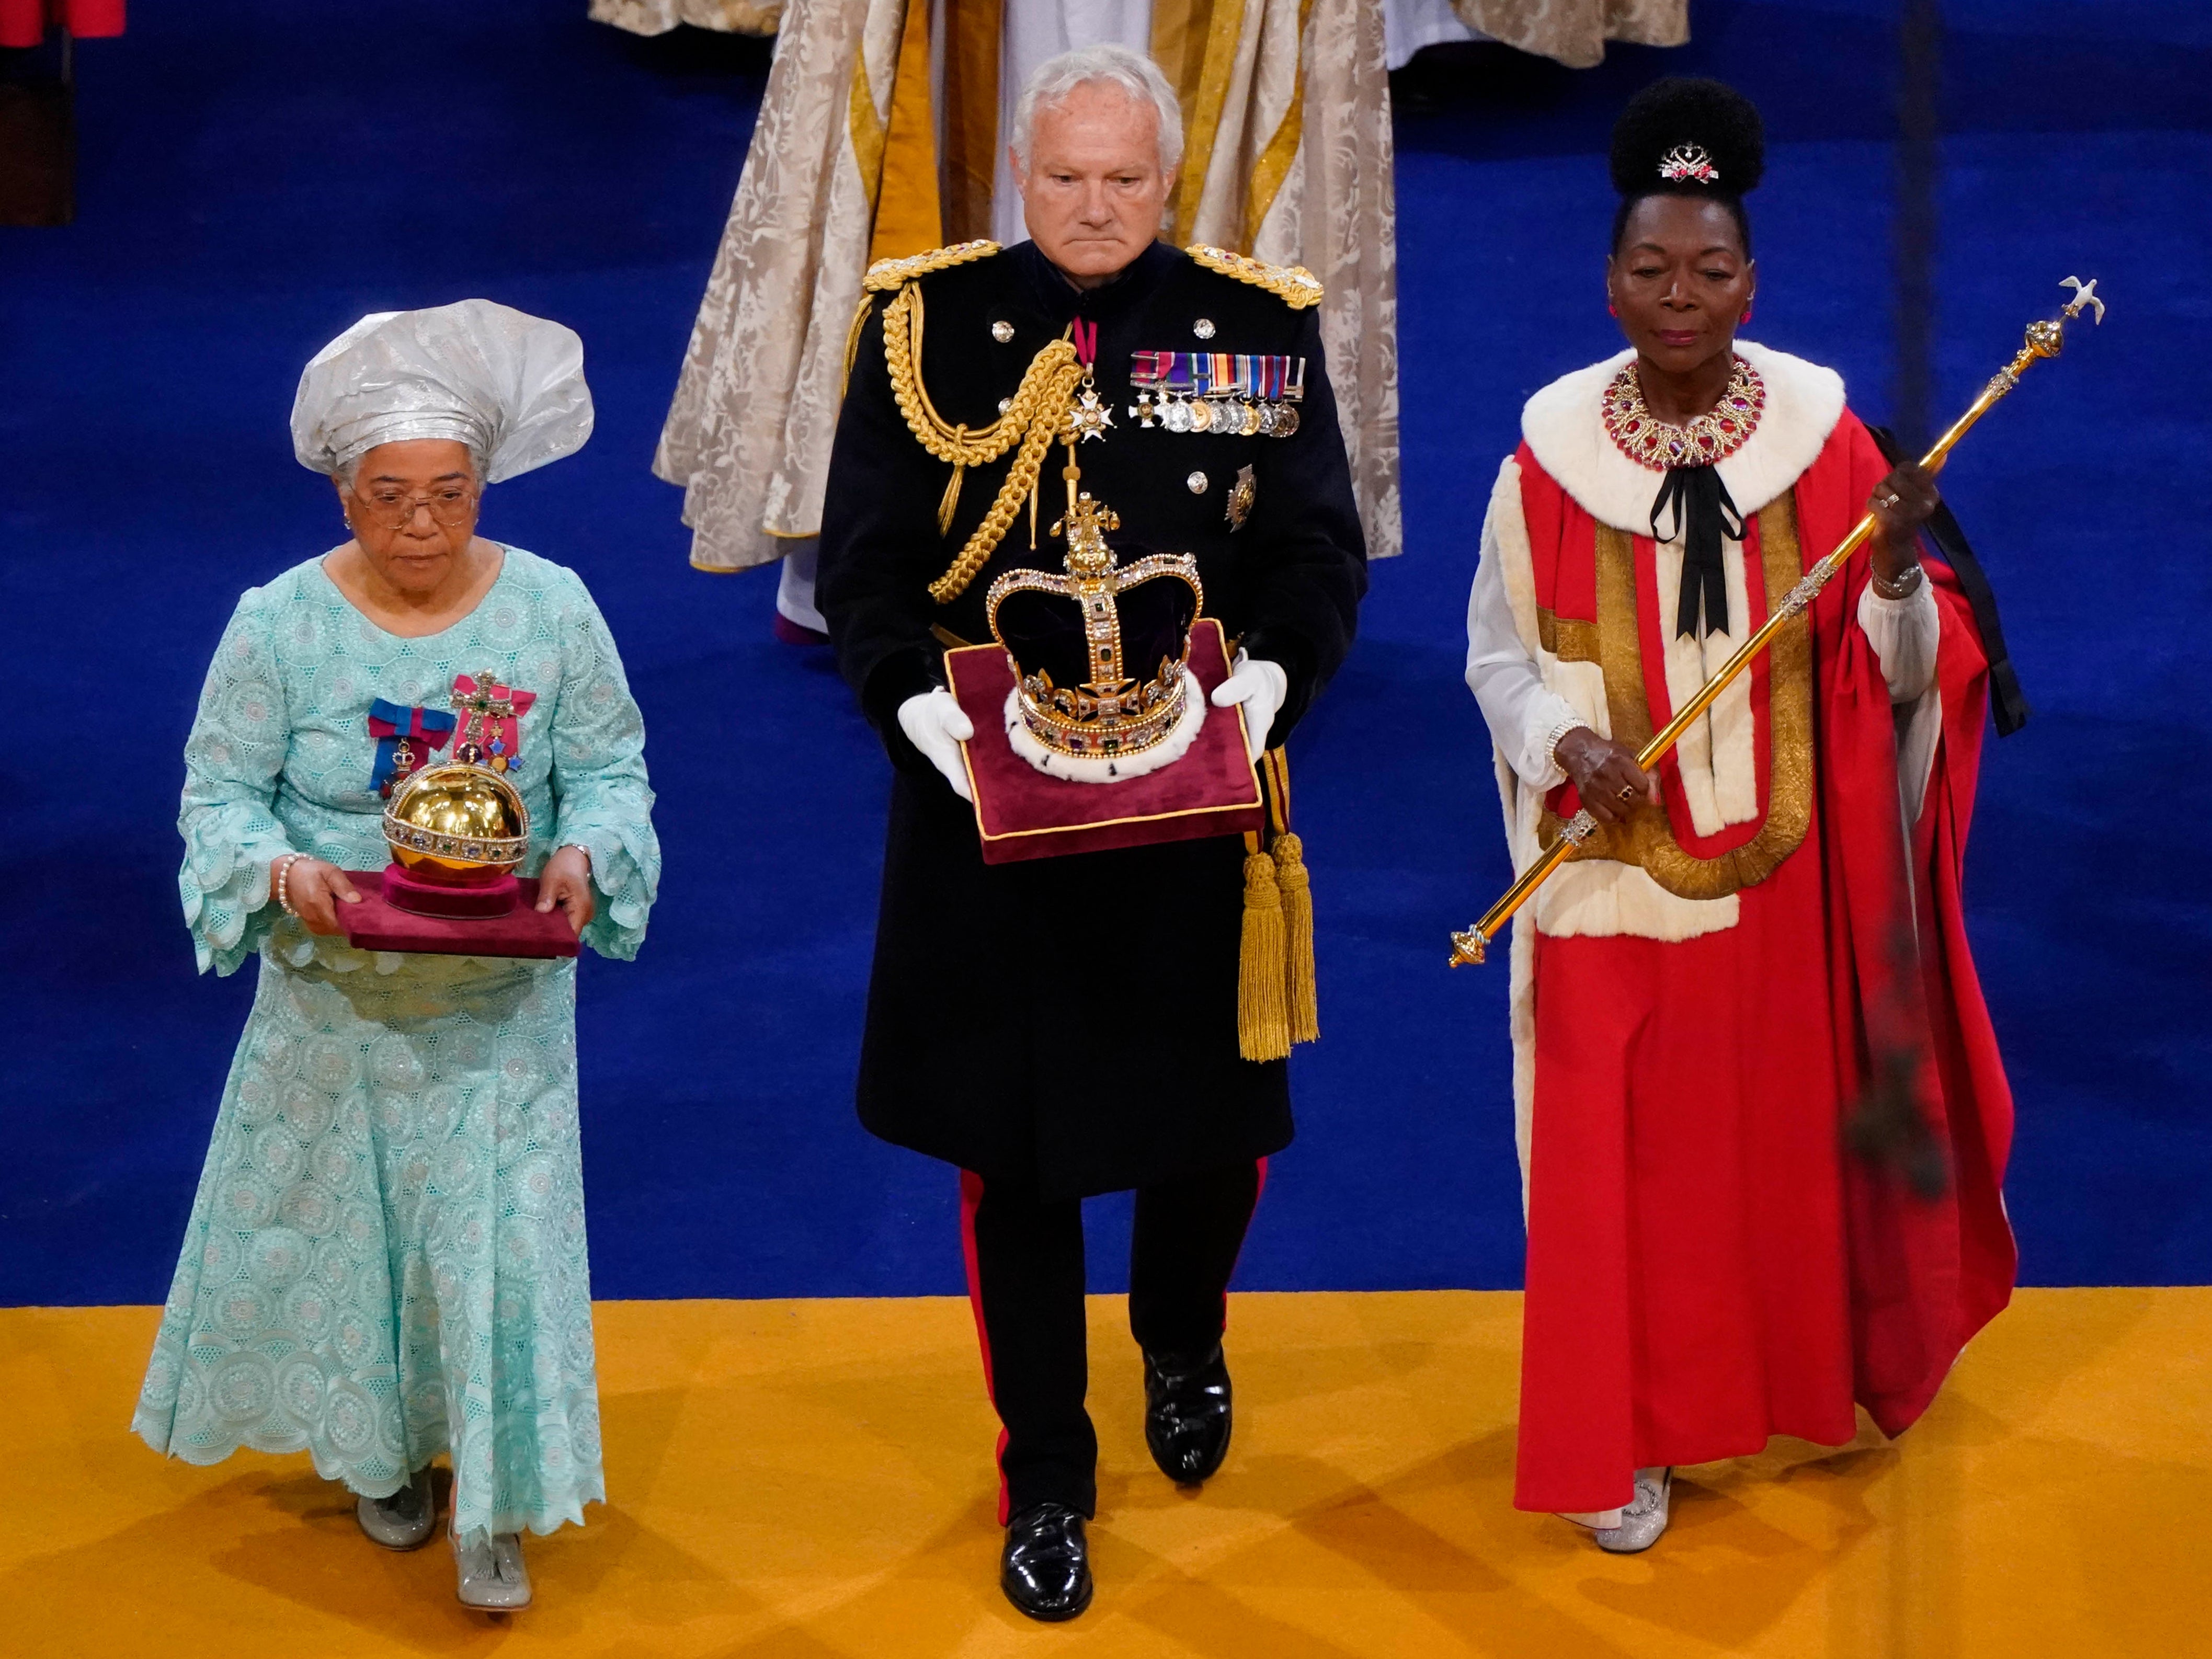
point(1261, 686)
point(934, 724)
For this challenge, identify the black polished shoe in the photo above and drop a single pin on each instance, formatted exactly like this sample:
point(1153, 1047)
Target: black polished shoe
point(1186, 1414)
point(1046, 1569)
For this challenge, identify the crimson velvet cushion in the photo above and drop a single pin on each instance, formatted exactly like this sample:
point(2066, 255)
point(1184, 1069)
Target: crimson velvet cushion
point(375, 925)
point(1021, 813)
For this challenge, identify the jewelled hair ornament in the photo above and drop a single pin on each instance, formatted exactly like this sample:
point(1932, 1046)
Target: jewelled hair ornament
point(1686, 161)
point(1683, 133)
point(1119, 709)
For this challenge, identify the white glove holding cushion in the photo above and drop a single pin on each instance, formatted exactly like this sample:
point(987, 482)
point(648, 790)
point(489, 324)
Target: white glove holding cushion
point(1261, 687)
point(934, 724)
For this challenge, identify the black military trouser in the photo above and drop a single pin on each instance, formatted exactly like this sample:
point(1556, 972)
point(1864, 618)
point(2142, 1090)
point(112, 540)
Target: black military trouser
point(1026, 1278)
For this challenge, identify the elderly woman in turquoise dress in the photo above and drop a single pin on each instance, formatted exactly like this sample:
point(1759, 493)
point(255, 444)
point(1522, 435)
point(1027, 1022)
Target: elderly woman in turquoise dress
point(385, 1259)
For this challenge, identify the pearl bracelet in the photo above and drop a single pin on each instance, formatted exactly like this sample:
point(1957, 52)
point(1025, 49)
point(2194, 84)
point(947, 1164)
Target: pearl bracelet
point(284, 883)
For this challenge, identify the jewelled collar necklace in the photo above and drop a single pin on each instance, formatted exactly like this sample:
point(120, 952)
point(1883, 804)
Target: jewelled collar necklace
point(1713, 436)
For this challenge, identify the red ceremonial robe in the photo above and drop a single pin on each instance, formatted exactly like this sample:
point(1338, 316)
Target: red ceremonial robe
point(1708, 1266)
point(25, 22)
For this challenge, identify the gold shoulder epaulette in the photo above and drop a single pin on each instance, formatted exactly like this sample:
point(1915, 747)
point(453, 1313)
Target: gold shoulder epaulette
point(887, 274)
point(1294, 285)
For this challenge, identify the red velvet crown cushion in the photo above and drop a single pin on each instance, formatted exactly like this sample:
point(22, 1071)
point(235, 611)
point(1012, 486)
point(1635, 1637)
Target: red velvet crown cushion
point(374, 925)
point(1020, 813)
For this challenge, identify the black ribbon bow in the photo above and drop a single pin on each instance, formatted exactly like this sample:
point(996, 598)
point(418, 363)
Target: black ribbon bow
point(1703, 514)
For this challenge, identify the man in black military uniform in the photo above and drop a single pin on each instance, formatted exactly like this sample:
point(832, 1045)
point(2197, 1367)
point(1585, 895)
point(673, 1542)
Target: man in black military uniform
point(1068, 1026)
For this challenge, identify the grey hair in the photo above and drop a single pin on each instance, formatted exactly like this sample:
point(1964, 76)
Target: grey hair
point(1103, 64)
point(347, 471)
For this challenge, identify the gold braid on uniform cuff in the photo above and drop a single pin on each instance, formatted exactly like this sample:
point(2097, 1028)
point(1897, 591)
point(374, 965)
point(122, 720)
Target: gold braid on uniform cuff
point(1032, 418)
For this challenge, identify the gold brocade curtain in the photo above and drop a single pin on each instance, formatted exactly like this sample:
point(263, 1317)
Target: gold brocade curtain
point(968, 120)
point(875, 140)
point(909, 215)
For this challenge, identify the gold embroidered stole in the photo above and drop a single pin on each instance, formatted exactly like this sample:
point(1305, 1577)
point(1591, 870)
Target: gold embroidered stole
point(1613, 643)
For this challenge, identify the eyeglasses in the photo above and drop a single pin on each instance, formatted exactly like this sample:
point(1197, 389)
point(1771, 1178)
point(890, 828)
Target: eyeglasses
point(447, 505)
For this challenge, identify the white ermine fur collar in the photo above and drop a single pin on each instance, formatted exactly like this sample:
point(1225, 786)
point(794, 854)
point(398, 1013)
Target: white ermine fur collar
point(1564, 425)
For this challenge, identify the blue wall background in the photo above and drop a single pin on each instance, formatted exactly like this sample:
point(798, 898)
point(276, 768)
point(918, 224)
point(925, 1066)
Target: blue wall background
point(256, 174)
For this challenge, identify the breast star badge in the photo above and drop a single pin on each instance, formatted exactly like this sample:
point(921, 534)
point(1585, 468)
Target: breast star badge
point(1241, 494)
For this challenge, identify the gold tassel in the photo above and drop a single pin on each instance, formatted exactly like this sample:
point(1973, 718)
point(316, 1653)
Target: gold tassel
point(1263, 1025)
point(1298, 927)
point(950, 504)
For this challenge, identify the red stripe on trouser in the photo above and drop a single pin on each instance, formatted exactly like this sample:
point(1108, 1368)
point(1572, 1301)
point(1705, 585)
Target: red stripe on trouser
point(971, 1195)
point(1259, 1190)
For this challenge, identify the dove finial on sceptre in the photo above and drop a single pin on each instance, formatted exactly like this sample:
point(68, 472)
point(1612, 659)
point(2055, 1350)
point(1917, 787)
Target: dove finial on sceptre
point(2085, 298)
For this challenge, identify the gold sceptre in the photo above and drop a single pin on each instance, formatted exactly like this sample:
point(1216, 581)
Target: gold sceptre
point(2045, 339)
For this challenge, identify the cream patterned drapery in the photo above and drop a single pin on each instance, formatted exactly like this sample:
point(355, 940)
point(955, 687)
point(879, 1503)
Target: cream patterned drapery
point(748, 435)
point(1293, 163)
point(1572, 31)
point(659, 16)
point(1575, 31)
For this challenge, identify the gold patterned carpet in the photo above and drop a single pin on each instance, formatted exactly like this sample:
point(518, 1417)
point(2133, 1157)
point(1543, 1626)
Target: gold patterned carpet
point(811, 1479)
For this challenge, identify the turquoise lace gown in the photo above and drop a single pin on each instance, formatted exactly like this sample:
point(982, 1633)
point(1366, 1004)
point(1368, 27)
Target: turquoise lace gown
point(385, 1259)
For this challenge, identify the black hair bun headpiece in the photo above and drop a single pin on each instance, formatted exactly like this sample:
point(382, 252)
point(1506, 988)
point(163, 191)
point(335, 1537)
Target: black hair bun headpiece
point(1683, 135)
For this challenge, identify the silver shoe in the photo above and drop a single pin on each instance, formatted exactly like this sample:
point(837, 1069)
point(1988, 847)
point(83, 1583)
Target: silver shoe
point(1642, 1521)
point(492, 1577)
point(404, 1520)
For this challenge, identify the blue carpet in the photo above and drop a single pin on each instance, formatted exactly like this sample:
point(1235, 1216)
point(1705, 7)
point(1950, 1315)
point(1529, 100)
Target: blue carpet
point(256, 174)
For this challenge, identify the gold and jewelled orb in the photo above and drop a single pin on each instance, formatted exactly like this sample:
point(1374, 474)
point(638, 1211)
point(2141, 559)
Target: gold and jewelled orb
point(458, 823)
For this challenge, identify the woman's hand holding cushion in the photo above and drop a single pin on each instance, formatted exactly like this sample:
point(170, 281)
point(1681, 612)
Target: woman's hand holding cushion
point(566, 882)
point(314, 890)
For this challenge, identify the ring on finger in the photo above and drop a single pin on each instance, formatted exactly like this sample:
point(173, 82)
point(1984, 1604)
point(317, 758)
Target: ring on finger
point(1892, 500)
point(1626, 792)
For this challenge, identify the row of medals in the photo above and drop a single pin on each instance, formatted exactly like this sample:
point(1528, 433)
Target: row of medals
point(1231, 416)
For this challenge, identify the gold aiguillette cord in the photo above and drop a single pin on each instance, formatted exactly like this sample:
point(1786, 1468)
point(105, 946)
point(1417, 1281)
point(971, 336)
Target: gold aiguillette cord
point(2045, 339)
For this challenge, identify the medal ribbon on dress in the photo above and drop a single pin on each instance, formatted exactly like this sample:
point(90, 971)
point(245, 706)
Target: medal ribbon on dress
point(404, 739)
point(490, 733)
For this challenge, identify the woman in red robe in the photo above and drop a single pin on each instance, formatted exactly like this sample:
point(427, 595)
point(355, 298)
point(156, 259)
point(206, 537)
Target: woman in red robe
point(1765, 934)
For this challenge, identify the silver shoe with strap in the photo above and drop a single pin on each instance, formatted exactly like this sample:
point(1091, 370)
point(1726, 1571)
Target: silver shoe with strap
point(1643, 1520)
point(404, 1520)
point(491, 1576)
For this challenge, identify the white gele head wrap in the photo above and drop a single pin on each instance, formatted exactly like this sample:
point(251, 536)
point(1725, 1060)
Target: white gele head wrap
point(508, 384)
